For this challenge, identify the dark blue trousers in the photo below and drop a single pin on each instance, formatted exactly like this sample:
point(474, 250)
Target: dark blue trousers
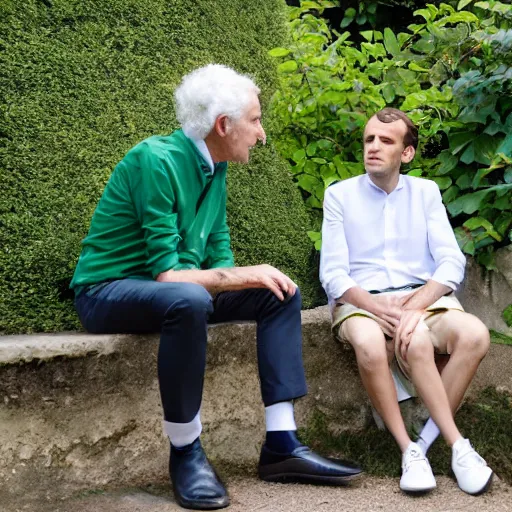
point(181, 312)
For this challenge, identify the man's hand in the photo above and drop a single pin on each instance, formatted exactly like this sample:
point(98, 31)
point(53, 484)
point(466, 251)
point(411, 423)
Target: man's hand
point(264, 276)
point(408, 323)
point(388, 310)
point(425, 296)
point(235, 278)
point(413, 307)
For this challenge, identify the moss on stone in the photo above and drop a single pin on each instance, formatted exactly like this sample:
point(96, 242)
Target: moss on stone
point(507, 315)
point(500, 338)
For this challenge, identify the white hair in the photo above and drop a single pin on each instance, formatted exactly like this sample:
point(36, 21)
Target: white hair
point(208, 92)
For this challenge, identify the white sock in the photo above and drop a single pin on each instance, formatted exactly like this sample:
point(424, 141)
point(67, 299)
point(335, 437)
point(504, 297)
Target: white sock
point(181, 434)
point(456, 445)
point(428, 435)
point(280, 417)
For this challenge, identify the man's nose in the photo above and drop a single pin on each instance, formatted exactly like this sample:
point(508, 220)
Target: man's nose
point(374, 145)
point(262, 135)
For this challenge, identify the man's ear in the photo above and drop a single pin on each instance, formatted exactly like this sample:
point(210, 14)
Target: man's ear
point(221, 125)
point(408, 154)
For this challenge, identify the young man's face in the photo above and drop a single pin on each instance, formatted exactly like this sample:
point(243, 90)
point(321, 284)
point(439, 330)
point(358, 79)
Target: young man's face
point(384, 149)
point(245, 132)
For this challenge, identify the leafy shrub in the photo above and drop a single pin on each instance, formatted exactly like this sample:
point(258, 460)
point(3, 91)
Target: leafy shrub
point(479, 155)
point(451, 73)
point(82, 82)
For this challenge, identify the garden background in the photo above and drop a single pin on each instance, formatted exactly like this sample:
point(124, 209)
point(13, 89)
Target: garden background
point(83, 81)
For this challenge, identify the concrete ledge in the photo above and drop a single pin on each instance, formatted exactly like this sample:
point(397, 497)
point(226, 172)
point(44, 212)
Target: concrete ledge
point(83, 411)
point(43, 347)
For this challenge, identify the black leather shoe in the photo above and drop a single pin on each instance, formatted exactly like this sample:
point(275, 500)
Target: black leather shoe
point(194, 481)
point(304, 465)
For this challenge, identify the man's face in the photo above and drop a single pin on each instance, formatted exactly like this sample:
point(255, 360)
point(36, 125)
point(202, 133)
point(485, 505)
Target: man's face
point(245, 133)
point(384, 149)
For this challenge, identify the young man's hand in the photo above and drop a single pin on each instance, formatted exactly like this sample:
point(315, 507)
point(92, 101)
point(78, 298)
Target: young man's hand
point(388, 309)
point(409, 322)
point(413, 306)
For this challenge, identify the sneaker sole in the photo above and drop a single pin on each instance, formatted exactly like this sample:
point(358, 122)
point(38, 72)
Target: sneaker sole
point(485, 488)
point(417, 492)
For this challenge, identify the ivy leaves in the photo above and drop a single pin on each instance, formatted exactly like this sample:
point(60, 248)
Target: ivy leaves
point(452, 74)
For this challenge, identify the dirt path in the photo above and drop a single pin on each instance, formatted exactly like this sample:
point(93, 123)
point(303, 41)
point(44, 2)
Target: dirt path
point(250, 495)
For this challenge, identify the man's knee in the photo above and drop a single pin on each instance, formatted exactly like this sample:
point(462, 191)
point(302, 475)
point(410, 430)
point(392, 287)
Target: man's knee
point(291, 301)
point(370, 348)
point(295, 301)
point(474, 339)
point(420, 348)
point(191, 299)
point(269, 303)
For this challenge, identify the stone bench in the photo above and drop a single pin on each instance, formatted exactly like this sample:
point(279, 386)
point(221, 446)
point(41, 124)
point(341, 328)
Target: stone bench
point(83, 411)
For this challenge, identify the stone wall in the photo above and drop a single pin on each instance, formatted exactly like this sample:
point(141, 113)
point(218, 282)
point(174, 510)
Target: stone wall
point(487, 293)
point(80, 411)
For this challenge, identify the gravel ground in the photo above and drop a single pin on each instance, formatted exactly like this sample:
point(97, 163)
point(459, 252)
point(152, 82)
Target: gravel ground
point(369, 494)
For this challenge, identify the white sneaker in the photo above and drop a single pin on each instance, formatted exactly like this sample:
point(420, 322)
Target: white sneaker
point(417, 474)
point(473, 474)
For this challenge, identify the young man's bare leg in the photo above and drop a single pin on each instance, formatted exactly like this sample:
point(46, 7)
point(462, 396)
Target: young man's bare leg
point(426, 378)
point(472, 473)
point(467, 340)
point(372, 352)
point(369, 343)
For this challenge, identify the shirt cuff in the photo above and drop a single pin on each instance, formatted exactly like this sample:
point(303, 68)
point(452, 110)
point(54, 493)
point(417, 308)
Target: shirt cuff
point(227, 263)
point(164, 263)
point(337, 287)
point(449, 274)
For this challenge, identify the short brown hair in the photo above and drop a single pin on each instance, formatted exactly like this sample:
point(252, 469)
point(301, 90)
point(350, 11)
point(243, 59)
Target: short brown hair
point(388, 115)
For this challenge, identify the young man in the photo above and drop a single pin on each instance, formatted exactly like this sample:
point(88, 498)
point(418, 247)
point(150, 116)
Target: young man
point(389, 265)
point(158, 258)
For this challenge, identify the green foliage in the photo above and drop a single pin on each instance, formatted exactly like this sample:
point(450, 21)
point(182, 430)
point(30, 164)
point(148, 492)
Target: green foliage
point(82, 82)
point(366, 12)
point(507, 315)
point(269, 221)
point(481, 144)
point(500, 338)
point(452, 73)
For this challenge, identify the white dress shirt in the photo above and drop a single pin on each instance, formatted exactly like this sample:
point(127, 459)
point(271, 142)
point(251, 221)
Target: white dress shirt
point(377, 240)
point(203, 149)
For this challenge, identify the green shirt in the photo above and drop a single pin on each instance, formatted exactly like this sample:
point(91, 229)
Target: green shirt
point(161, 209)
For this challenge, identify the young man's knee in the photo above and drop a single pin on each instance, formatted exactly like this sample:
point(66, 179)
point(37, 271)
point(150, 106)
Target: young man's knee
point(370, 351)
point(420, 348)
point(475, 341)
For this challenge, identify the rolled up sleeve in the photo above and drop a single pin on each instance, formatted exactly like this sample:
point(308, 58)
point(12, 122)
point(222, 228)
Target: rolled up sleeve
point(449, 260)
point(334, 256)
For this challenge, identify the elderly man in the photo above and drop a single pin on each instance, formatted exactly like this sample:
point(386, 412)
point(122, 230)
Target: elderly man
point(158, 258)
point(389, 265)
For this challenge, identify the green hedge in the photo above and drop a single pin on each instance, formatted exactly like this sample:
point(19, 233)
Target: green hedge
point(82, 81)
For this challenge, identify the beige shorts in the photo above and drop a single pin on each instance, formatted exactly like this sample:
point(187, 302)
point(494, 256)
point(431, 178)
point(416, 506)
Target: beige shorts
point(345, 311)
